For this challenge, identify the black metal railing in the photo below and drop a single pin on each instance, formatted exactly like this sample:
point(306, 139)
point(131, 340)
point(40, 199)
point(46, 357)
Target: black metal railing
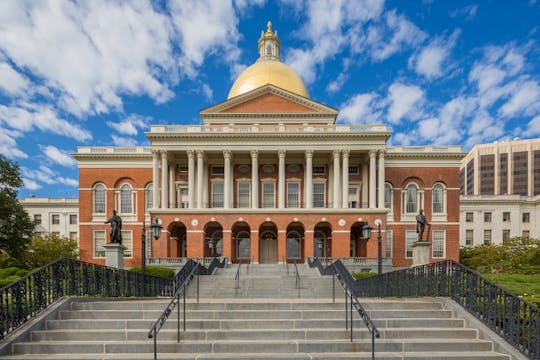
point(513, 318)
point(29, 296)
point(237, 277)
point(339, 271)
point(297, 278)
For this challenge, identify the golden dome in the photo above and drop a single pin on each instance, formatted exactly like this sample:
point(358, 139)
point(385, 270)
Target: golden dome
point(268, 72)
point(268, 69)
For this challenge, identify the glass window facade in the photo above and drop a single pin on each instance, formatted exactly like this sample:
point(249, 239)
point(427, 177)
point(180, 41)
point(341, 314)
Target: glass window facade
point(217, 194)
point(487, 174)
point(520, 170)
point(268, 198)
point(438, 244)
point(243, 194)
point(318, 194)
point(293, 194)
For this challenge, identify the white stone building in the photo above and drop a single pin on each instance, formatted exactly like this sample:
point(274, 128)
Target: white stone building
point(500, 192)
point(54, 215)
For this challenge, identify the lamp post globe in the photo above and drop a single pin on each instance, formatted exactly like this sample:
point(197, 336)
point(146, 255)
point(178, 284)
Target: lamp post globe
point(156, 229)
point(366, 231)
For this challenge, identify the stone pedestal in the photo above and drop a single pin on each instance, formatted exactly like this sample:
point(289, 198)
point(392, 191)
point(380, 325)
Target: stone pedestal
point(420, 253)
point(114, 255)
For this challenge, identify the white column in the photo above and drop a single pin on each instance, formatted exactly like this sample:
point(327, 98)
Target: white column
point(281, 179)
point(227, 179)
point(345, 180)
point(381, 179)
point(155, 180)
point(164, 181)
point(254, 179)
point(191, 178)
point(308, 196)
point(336, 178)
point(172, 168)
point(364, 185)
point(200, 175)
point(372, 184)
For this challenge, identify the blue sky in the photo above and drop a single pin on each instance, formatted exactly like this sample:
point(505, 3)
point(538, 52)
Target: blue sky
point(75, 73)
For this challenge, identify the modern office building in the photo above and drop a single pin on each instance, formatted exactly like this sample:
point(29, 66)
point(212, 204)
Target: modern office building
point(269, 176)
point(500, 192)
point(54, 215)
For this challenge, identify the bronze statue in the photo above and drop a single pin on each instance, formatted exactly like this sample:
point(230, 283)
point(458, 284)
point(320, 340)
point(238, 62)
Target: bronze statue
point(421, 223)
point(116, 228)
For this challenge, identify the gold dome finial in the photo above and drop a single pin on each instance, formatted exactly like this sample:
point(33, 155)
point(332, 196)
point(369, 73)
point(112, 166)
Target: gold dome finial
point(269, 27)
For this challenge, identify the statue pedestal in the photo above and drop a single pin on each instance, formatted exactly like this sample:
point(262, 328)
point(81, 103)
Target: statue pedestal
point(114, 255)
point(420, 253)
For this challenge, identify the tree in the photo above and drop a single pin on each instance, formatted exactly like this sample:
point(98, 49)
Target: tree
point(43, 250)
point(16, 228)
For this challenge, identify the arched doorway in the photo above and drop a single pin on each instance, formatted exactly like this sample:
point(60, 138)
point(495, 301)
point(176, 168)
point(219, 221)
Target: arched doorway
point(322, 237)
point(358, 243)
point(213, 240)
point(177, 240)
point(268, 244)
point(241, 242)
point(295, 241)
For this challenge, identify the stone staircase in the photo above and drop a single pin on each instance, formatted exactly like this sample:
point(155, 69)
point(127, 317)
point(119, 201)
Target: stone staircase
point(265, 318)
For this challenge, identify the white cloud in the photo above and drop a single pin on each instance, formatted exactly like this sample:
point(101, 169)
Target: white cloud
point(123, 141)
point(403, 101)
point(207, 91)
point(361, 109)
point(11, 82)
point(430, 60)
point(469, 12)
point(533, 128)
point(8, 144)
point(130, 125)
point(33, 177)
point(525, 100)
point(58, 156)
point(31, 184)
point(337, 84)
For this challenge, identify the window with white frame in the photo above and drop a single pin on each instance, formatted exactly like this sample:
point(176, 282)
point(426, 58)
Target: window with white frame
point(469, 237)
point(243, 245)
point(99, 199)
point(411, 199)
point(218, 170)
point(353, 197)
point(388, 196)
point(268, 195)
point(127, 242)
point(73, 219)
point(182, 195)
point(318, 194)
point(525, 233)
point(319, 170)
point(99, 241)
point(293, 245)
point(354, 169)
point(126, 199)
point(388, 244)
point(487, 237)
point(410, 236)
point(217, 194)
point(243, 194)
point(73, 235)
point(438, 199)
point(293, 194)
point(438, 244)
point(505, 235)
point(55, 219)
point(148, 194)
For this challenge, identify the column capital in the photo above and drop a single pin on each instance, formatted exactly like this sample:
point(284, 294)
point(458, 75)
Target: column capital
point(281, 153)
point(155, 153)
point(254, 153)
point(336, 153)
point(227, 153)
point(200, 154)
point(164, 154)
point(346, 153)
point(382, 153)
point(309, 153)
point(372, 153)
point(190, 153)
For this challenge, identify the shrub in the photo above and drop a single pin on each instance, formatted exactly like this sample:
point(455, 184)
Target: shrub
point(10, 271)
point(22, 272)
point(8, 280)
point(363, 274)
point(155, 271)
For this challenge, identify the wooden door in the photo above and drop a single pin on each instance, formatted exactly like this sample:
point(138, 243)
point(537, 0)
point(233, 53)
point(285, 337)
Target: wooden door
point(268, 249)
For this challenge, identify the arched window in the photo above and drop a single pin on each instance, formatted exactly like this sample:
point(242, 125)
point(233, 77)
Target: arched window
point(99, 199)
point(293, 245)
point(388, 196)
point(268, 50)
point(149, 195)
point(217, 243)
point(438, 198)
point(411, 199)
point(243, 245)
point(320, 243)
point(126, 199)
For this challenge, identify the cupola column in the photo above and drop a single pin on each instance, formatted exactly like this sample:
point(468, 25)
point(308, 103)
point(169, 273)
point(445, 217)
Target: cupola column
point(200, 176)
point(155, 179)
point(254, 179)
point(309, 180)
point(191, 178)
point(164, 180)
point(227, 179)
point(336, 178)
point(281, 179)
point(381, 179)
point(372, 178)
point(345, 180)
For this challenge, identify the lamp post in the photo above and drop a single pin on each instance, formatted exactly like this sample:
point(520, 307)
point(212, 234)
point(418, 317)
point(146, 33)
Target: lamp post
point(366, 234)
point(156, 232)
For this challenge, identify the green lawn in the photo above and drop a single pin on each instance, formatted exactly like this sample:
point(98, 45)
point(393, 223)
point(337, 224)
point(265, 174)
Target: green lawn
point(526, 286)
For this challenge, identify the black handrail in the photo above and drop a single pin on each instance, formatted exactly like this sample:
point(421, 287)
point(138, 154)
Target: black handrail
point(513, 318)
point(27, 297)
point(297, 276)
point(237, 277)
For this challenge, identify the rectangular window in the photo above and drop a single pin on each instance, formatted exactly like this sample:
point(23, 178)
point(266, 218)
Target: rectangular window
point(243, 194)
point(73, 235)
point(411, 237)
point(183, 197)
point(37, 219)
point(388, 245)
point(506, 216)
point(469, 237)
point(293, 195)
point(55, 219)
point(353, 197)
point(536, 172)
point(217, 194)
point(73, 219)
point(218, 170)
point(469, 217)
point(99, 241)
point(470, 177)
point(503, 174)
point(487, 237)
point(439, 243)
point(520, 171)
point(526, 217)
point(462, 181)
point(354, 170)
point(127, 242)
point(525, 233)
point(319, 170)
point(487, 174)
point(506, 235)
point(318, 194)
point(487, 216)
point(268, 199)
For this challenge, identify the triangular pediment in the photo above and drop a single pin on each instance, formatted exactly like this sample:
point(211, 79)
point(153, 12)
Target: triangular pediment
point(268, 104)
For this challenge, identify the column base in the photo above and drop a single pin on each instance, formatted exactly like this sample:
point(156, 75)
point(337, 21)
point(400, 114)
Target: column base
point(114, 255)
point(420, 253)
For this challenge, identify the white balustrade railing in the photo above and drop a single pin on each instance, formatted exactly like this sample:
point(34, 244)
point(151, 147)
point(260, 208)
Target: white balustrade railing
point(338, 128)
point(114, 150)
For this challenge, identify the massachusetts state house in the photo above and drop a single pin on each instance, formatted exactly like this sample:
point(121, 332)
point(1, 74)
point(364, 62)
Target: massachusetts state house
point(268, 176)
